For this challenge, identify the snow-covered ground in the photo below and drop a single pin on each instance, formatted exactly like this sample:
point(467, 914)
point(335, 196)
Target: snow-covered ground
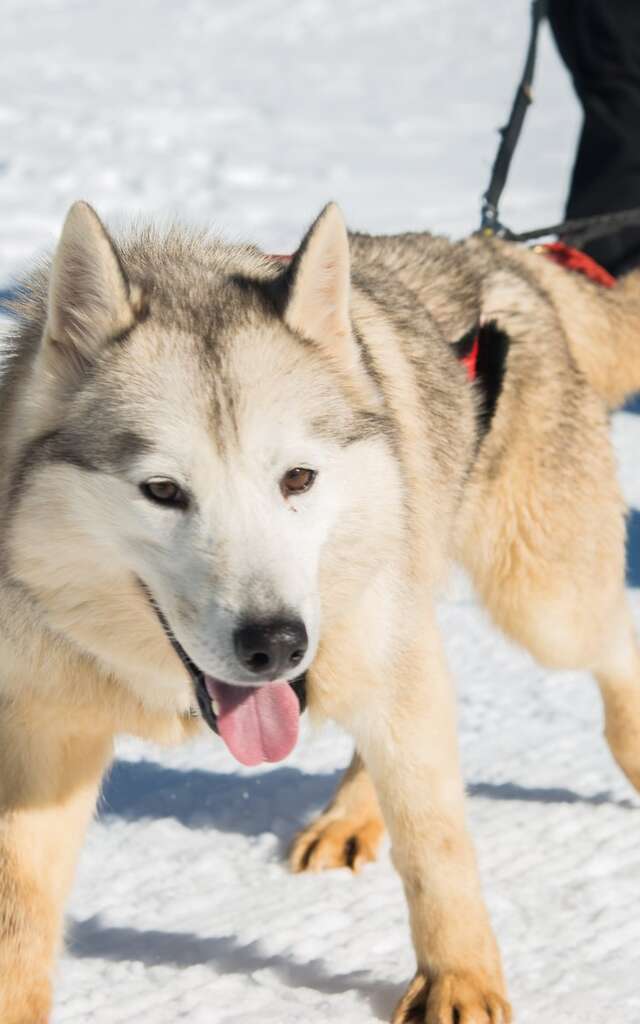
point(249, 116)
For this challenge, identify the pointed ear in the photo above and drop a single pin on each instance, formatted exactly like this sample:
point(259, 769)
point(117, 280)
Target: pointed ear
point(320, 283)
point(89, 298)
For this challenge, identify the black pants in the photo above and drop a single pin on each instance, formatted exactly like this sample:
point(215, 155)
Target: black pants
point(599, 41)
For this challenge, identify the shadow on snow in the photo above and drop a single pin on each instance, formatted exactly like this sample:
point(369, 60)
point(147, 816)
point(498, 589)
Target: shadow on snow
point(633, 548)
point(277, 802)
point(91, 939)
point(633, 405)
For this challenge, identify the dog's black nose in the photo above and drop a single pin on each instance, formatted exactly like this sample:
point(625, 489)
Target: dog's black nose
point(270, 649)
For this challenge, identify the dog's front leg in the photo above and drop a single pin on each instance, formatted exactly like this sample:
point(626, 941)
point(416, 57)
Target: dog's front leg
point(48, 788)
point(407, 736)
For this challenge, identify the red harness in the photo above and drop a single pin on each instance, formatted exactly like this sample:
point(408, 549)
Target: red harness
point(573, 259)
point(470, 360)
point(564, 255)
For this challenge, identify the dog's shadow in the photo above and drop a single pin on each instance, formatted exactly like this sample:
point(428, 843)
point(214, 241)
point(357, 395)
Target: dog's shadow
point(274, 802)
point(277, 801)
point(633, 404)
point(545, 795)
point(633, 522)
point(633, 548)
point(91, 939)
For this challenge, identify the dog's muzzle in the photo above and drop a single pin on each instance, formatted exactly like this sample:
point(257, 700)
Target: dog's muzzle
point(298, 685)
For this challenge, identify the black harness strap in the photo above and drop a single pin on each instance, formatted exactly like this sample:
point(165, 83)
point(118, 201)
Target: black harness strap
point(493, 349)
point(483, 350)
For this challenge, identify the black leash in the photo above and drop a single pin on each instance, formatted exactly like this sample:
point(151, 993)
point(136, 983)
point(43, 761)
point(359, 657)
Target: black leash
point(581, 230)
point(578, 231)
point(490, 222)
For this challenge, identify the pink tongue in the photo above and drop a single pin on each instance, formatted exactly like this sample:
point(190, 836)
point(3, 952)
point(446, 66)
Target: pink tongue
point(258, 723)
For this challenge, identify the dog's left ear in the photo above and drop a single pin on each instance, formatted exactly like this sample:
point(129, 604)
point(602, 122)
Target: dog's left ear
point(317, 305)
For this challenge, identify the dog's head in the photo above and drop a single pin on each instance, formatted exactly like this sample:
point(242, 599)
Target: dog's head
point(204, 443)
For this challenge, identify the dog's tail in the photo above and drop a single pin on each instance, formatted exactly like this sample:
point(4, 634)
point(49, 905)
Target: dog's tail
point(604, 336)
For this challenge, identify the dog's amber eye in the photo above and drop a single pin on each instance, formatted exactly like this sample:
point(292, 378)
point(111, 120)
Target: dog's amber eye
point(164, 492)
point(297, 481)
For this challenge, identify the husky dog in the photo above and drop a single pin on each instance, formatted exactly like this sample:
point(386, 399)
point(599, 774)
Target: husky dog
point(222, 472)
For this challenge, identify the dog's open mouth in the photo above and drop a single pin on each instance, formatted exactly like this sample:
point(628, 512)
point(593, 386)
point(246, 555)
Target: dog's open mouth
point(257, 723)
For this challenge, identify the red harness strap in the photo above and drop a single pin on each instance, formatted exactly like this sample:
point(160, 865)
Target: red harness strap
point(565, 256)
point(470, 361)
point(573, 259)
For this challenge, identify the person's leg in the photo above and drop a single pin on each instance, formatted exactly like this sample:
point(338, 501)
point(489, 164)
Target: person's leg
point(599, 41)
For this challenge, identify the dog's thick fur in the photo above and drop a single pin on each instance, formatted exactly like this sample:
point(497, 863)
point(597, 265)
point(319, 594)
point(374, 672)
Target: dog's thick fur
point(213, 365)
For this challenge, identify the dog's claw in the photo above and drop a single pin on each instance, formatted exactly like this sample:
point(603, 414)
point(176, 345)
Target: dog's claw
point(452, 998)
point(336, 843)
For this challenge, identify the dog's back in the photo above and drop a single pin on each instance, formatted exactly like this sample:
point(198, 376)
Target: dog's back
point(602, 325)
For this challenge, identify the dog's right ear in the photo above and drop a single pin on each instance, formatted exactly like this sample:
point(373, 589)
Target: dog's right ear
point(90, 302)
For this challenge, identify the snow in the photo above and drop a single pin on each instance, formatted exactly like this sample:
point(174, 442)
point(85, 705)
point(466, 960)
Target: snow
point(249, 116)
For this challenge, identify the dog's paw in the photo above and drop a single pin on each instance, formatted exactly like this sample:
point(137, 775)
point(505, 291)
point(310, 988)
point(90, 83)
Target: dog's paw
point(336, 843)
point(459, 997)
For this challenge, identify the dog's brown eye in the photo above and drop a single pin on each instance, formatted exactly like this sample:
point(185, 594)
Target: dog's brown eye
point(164, 492)
point(297, 481)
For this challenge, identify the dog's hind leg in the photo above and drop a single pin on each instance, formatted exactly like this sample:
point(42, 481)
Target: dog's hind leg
point(349, 830)
point(568, 626)
point(618, 677)
point(614, 660)
point(551, 574)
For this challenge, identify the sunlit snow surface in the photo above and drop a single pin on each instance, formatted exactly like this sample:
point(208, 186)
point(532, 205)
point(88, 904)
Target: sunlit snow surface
point(248, 116)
